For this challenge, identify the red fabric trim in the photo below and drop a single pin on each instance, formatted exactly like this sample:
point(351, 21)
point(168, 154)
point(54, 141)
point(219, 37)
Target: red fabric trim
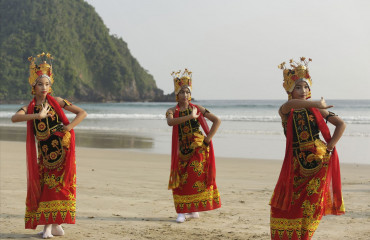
point(174, 175)
point(284, 187)
point(33, 181)
point(333, 182)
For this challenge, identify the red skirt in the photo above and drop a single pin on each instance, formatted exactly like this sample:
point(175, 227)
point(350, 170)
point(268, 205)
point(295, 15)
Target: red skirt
point(193, 194)
point(307, 207)
point(57, 203)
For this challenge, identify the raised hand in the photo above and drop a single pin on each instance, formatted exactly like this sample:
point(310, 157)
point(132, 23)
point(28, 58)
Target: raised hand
point(44, 113)
point(323, 105)
point(195, 113)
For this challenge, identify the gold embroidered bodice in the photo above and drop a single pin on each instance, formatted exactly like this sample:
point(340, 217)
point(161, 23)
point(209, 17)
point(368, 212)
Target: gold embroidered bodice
point(49, 145)
point(307, 146)
point(186, 134)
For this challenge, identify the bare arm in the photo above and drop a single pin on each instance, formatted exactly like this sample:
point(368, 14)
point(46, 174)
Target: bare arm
point(340, 126)
point(22, 115)
point(216, 122)
point(298, 103)
point(171, 121)
point(80, 114)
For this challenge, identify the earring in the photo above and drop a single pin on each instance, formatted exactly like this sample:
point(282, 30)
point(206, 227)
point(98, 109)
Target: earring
point(33, 91)
point(50, 91)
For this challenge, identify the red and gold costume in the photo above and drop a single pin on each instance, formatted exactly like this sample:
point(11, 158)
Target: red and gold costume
point(51, 173)
point(193, 170)
point(309, 184)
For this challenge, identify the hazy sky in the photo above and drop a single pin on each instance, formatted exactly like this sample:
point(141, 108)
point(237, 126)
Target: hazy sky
point(233, 47)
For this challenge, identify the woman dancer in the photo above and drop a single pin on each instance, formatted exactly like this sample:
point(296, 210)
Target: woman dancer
point(51, 176)
point(193, 171)
point(309, 185)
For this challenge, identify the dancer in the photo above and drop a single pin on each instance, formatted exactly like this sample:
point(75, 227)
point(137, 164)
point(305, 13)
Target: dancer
point(193, 170)
point(309, 184)
point(51, 176)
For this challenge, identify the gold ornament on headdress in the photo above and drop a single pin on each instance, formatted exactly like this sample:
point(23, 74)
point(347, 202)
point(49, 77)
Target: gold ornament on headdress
point(37, 70)
point(182, 80)
point(298, 71)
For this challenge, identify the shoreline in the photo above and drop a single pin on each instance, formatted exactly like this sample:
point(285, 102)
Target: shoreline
point(227, 146)
point(122, 194)
point(87, 138)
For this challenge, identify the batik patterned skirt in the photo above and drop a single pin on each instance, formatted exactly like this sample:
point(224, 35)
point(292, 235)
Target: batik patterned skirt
point(57, 203)
point(193, 194)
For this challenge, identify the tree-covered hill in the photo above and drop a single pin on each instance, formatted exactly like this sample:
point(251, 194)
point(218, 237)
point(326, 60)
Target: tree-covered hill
point(89, 64)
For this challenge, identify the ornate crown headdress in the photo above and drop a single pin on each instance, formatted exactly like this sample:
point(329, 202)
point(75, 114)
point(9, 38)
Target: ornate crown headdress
point(181, 80)
point(298, 71)
point(37, 70)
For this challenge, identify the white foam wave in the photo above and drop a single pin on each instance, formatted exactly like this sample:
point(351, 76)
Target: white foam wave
point(154, 116)
point(123, 116)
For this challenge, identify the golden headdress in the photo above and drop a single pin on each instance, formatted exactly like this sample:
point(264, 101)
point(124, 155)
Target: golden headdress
point(298, 72)
point(43, 69)
point(182, 80)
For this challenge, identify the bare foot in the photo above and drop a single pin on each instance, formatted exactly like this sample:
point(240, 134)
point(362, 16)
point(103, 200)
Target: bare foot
point(47, 232)
point(57, 230)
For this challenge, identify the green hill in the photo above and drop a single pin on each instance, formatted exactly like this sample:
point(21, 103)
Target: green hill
point(89, 63)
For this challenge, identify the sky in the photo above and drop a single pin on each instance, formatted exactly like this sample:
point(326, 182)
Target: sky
point(233, 47)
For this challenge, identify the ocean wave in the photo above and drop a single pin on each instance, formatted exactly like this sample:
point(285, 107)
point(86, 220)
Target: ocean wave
point(145, 130)
point(248, 118)
point(137, 116)
point(226, 117)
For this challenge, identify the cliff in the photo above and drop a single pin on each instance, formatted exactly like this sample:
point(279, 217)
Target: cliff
point(89, 65)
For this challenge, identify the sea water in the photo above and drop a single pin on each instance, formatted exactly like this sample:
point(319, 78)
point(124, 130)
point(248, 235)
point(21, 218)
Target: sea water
point(249, 129)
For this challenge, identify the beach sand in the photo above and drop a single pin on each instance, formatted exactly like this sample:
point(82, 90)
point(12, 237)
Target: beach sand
point(122, 194)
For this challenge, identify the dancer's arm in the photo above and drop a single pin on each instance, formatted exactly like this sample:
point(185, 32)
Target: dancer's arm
point(80, 114)
point(171, 121)
point(21, 115)
point(298, 103)
point(339, 124)
point(216, 122)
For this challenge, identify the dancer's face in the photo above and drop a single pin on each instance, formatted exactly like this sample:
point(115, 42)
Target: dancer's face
point(42, 87)
point(184, 95)
point(300, 90)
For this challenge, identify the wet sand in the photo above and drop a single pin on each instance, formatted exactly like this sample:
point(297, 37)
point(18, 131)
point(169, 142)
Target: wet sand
point(88, 138)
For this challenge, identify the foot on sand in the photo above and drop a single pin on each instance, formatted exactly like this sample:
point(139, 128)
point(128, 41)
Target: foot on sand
point(180, 218)
point(192, 215)
point(47, 232)
point(57, 230)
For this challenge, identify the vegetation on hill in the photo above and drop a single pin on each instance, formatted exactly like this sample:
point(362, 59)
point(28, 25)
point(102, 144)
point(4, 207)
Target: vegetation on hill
point(89, 63)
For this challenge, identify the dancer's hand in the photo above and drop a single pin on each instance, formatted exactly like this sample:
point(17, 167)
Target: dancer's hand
point(322, 104)
point(329, 147)
point(206, 141)
point(195, 113)
point(44, 113)
point(66, 128)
